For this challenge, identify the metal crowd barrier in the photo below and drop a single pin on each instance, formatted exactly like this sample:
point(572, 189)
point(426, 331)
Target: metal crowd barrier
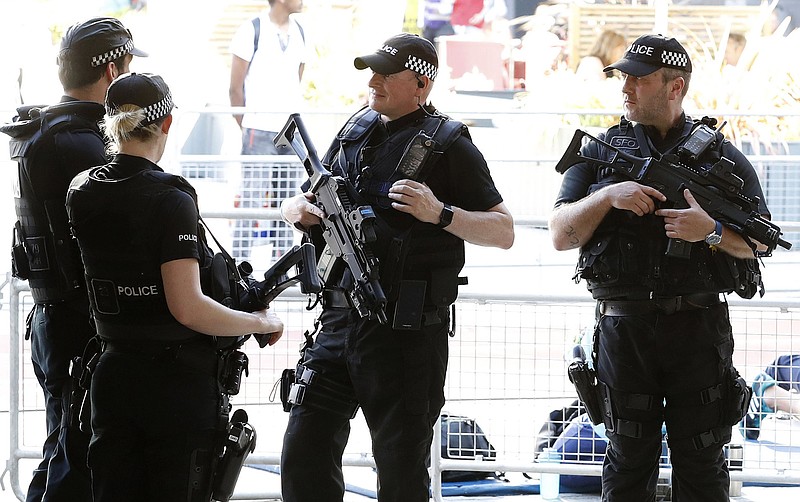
point(506, 366)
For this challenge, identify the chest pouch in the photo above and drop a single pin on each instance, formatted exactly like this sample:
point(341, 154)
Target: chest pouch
point(585, 269)
point(416, 155)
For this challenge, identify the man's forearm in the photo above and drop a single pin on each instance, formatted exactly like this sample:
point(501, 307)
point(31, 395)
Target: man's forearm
point(494, 227)
point(572, 225)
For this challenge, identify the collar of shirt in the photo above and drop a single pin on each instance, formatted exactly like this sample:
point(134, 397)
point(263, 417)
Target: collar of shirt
point(395, 125)
point(124, 166)
point(671, 139)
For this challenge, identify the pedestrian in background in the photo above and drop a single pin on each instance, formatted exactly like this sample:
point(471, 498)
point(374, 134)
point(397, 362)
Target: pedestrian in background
point(269, 54)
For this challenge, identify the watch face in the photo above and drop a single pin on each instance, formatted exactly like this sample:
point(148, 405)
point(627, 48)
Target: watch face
point(713, 239)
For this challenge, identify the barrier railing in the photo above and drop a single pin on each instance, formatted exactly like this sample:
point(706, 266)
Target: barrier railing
point(507, 369)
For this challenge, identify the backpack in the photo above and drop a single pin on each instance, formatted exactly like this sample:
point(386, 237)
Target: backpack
point(556, 422)
point(463, 439)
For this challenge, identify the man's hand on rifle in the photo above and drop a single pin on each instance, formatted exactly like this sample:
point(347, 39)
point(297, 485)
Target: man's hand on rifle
point(632, 196)
point(415, 199)
point(691, 224)
point(301, 210)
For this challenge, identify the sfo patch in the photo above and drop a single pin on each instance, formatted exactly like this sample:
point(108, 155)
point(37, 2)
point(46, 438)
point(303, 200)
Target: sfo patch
point(624, 143)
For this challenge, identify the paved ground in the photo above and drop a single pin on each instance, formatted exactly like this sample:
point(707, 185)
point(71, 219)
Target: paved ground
point(253, 480)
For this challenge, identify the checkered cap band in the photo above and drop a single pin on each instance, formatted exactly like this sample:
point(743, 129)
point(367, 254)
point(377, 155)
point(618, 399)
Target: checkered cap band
point(676, 59)
point(158, 110)
point(113, 54)
point(421, 66)
point(152, 112)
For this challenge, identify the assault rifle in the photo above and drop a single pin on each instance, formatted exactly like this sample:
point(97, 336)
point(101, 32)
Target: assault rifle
point(258, 294)
point(347, 229)
point(717, 190)
point(249, 295)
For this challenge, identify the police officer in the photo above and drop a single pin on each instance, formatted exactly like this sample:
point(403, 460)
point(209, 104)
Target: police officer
point(663, 339)
point(394, 371)
point(155, 395)
point(53, 144)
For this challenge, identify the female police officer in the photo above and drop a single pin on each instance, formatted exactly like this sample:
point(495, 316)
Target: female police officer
point(156, 402)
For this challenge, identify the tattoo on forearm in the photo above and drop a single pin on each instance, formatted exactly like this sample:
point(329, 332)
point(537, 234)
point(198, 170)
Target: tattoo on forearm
point(573, 236)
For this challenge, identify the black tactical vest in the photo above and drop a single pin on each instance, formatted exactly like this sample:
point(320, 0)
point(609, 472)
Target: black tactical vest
point(44, 252)
point(625, 257)
point(126, 291)
point(406, 248)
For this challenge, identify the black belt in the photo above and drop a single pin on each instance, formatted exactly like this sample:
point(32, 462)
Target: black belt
point(339, 299)
point(202, 358)
point(666, 305)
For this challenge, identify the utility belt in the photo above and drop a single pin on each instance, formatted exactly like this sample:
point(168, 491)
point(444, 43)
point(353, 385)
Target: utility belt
point(201, 358)
point(337, 298)
point(146, 333)
point(43, 296)
point(666, 305)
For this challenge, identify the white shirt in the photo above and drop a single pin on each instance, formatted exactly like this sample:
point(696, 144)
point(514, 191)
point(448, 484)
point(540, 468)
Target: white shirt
point(272, 83)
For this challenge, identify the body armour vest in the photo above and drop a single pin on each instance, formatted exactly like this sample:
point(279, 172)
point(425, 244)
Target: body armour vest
point(43, 251)
point(406, 248)
point(123, 273)
point(625, 258)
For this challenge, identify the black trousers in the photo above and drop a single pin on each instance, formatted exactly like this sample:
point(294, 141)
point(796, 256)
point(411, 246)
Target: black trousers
point(153, 422)
point(398, 379)
point(671, 358)
point(58, 333)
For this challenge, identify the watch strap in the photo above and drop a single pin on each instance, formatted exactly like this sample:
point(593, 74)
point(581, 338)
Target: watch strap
point(715, 237)
point(446, 216)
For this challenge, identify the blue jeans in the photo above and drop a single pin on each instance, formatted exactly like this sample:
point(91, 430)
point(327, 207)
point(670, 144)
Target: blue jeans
point(263, 186)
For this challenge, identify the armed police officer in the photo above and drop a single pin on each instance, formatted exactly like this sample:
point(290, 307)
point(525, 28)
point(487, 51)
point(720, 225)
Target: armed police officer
point(395, 369)
point(663, 339)
point(52, 144)
point(155, 390)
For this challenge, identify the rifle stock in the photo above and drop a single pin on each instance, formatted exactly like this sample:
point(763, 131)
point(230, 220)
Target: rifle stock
point(718, 190)
point(255, 295)
point(276, 279)
point(347, 229)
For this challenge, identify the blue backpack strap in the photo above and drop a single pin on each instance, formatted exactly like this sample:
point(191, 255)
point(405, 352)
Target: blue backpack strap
point(256, 35)
point(302, 31)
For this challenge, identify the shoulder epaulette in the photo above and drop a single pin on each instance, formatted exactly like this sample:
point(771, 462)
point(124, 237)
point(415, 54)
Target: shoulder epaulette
point(361, 122)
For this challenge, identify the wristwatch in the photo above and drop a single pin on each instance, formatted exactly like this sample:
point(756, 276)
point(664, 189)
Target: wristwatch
point(446, 216)
point(715, 237)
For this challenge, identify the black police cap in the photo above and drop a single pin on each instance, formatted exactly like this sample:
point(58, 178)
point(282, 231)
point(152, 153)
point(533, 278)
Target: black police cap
point(145, 90)
point(97, 41)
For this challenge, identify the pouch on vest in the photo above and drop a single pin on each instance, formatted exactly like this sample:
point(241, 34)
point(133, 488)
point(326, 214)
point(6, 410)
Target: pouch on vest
point(415, 155)
point(19, 257)
point(588, 257)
